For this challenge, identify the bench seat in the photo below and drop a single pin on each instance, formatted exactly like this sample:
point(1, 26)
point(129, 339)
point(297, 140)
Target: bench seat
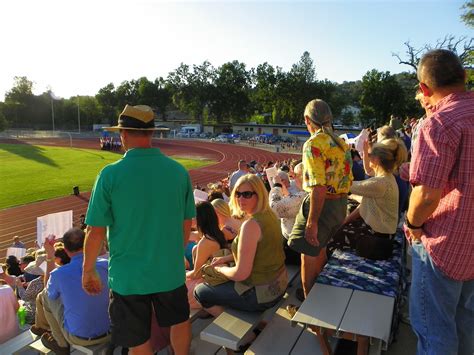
point(18, 343)
point(230, 328)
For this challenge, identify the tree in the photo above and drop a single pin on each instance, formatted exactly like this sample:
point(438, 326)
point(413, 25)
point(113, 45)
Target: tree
point(18, 101)
point(382, 96)
point(164, 96)
point(127, 93)
point(295, 89)
point(192, 89)
point(107, 100)
point(147, 92)
point(265, 79)
point(468, 15)
point(230, 98)
point(462, 46)
point(3, 121)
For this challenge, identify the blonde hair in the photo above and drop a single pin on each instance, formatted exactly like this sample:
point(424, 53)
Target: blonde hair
point(221, 207)
point(391, 153)
point(386, 132)
point(319, 114)
point(258, 187)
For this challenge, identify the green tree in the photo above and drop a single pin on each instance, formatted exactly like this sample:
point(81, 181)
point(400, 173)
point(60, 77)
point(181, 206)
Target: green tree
point(127, 93)
point(17, 102)
point(164, 97)
point(265, 79)
point(382, 96)
point(468, 15)
point(3, 121)
point(230, 99)
point(191, 89)
point(107, 101)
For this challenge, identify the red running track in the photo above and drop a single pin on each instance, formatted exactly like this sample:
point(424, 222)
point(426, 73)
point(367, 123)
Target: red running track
point(21, 220)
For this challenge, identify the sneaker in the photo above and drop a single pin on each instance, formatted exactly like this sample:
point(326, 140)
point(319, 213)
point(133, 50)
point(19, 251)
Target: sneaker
point(49, 342)
point(292, 309)
point(37, 330)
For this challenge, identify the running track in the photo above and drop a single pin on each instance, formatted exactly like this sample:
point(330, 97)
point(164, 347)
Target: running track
point(21, 220)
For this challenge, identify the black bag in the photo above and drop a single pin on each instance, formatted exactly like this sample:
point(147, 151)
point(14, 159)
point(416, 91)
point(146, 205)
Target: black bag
point(375, 247)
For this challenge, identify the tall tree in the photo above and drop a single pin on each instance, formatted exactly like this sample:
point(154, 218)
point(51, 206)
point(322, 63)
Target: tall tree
point(381, 96)
point(191, 89)
point(107, 100)
point(164, 95)
point(18, 102)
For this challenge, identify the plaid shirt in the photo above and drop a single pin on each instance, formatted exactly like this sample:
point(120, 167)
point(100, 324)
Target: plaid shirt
point(443, 158)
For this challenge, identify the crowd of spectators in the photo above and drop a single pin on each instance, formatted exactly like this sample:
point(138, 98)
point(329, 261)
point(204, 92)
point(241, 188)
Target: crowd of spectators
point(263, 215)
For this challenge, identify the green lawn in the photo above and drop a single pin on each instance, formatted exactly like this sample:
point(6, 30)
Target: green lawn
point(31, 173)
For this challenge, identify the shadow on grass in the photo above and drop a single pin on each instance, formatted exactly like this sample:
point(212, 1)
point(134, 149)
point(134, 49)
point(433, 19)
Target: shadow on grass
point(27, 151)
point(88, 151)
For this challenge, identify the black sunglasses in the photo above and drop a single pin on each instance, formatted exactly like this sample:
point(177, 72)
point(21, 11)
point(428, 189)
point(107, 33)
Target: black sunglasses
point(245, 194)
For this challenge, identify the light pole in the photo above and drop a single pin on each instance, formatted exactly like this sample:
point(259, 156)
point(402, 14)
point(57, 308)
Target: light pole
point(78, 115)
point(52, 111)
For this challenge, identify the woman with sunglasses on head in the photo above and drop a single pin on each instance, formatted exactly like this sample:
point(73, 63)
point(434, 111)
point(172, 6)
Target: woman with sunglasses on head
point(258, 280)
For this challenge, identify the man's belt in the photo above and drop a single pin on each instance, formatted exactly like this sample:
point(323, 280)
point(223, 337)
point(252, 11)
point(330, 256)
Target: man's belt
point(93, 338)
point(335, 196)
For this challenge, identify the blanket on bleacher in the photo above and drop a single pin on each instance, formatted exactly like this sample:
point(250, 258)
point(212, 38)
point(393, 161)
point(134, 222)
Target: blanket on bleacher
point(347, 269)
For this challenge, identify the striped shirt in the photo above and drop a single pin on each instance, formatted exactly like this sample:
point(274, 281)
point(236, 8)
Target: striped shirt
point(443, 158)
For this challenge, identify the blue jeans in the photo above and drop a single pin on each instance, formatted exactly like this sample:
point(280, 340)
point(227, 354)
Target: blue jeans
point(441, 309)
point(225, 295)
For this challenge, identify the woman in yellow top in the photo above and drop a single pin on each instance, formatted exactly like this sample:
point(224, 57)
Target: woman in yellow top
point(258, 280)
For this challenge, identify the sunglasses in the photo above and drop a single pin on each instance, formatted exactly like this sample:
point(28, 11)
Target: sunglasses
point(245, 194)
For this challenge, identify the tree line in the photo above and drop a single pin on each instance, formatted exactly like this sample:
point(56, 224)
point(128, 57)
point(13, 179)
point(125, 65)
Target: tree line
point(228, 93)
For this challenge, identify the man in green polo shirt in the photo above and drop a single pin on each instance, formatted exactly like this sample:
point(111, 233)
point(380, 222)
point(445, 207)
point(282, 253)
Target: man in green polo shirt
point(144, 204)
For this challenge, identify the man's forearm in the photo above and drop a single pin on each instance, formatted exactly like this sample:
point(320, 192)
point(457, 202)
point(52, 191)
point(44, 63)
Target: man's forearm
point(95, 237)
point(423, 202)
point(317, 198)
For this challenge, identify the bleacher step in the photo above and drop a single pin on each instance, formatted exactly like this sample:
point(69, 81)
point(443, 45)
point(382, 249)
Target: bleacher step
point(38, 346)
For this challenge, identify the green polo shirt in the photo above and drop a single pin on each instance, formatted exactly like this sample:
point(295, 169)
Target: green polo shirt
point(143, 200)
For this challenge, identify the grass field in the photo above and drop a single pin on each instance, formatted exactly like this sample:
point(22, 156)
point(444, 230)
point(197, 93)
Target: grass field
point(31, 173)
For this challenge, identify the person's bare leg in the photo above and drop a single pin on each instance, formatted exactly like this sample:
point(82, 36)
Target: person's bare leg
point(181, 338)
point(311, 267)
point(143, 349)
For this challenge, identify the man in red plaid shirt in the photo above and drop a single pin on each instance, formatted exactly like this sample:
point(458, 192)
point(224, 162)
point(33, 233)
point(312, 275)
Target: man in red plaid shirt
point(440, 218)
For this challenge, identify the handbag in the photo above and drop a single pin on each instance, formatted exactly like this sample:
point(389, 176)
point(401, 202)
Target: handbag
point(375, 247)
point(210, 274)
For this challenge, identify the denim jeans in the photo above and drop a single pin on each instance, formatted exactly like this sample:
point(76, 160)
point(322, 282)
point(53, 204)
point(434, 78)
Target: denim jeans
point(441, 309)
point(225, 295)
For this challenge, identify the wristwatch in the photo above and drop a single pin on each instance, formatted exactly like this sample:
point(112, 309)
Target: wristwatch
point(411, 226)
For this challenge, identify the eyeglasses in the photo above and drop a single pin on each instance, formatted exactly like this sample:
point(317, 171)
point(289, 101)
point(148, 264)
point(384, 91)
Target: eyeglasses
point(245, 194)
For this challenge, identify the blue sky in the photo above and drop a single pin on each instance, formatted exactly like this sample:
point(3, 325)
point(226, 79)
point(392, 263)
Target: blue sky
point(79, 47)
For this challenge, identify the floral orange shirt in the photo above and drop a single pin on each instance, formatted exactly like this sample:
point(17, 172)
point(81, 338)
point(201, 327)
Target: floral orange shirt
point(326, 164)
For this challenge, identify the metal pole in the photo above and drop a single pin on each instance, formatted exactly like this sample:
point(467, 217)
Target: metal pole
point(78, 115)
point(52, 112)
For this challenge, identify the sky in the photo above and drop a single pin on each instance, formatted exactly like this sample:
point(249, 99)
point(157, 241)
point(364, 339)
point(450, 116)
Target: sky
point(77, 47)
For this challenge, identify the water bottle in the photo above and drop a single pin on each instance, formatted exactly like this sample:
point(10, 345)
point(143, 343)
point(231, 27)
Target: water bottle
point(22, 315)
